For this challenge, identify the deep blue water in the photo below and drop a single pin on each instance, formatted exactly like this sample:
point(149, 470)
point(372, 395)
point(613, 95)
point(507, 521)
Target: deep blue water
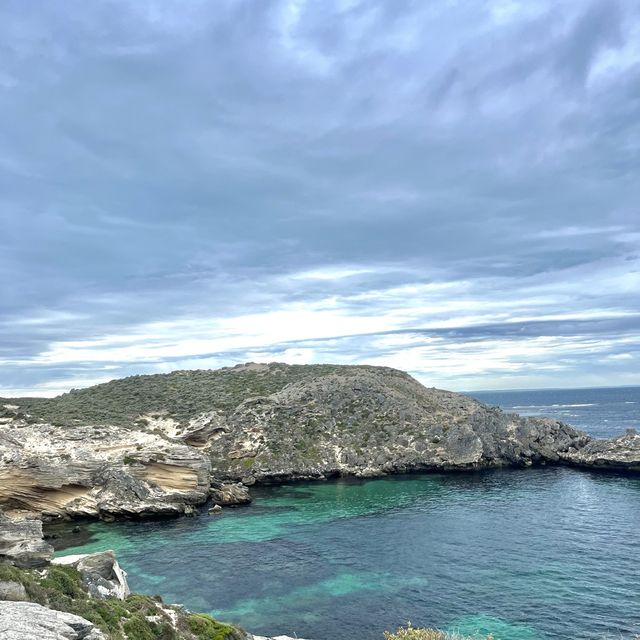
point(599, 412)
point(548, 553)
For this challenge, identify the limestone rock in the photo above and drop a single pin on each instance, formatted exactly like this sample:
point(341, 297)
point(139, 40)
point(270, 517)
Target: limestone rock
point(21, 542)
point(101, 574)
point(14, 591)
point(27, 620)
point(86, 471)
point(226, 494)
point(622, 452)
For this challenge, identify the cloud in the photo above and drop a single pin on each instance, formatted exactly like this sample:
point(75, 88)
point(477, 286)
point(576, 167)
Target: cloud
point(320, 181)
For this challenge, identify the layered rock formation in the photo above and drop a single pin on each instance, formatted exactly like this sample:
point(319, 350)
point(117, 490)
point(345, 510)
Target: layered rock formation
point(105, 471)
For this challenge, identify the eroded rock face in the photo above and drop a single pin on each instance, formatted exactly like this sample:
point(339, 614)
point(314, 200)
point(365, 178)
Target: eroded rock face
point(622, 452)
point(22, 620)
point(21, 543)
point(97, 472)
point(102, 576)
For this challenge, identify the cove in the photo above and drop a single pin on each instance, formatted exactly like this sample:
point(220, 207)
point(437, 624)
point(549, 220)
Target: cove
point(540, 553)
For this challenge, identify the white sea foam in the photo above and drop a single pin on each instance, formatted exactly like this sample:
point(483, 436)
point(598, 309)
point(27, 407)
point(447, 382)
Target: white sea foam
point(568, 406)
point(554, 406)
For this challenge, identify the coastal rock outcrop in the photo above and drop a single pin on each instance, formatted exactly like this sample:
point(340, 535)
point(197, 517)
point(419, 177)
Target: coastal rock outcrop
point(621, 452)
point(369, 421)
point(229, 494)
point(21, 542)
point(104, 471)
point(102, 576)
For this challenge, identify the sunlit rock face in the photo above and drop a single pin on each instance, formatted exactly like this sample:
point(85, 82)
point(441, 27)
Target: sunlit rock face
point(22, 620)
point(102, 576)
point(104, 471)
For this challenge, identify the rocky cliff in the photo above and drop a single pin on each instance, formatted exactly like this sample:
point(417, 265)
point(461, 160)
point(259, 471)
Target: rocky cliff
point(152, 445)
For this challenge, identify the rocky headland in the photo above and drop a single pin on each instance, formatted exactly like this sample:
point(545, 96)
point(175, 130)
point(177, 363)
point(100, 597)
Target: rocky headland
point(162, 445)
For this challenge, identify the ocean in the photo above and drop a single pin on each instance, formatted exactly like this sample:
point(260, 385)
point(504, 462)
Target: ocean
point(600, 412)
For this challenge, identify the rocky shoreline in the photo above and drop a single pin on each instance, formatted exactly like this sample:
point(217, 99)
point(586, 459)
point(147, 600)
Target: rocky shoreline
point(317, 422)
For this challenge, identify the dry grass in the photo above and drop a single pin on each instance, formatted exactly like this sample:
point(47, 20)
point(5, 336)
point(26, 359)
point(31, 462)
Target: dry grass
point(413, 633)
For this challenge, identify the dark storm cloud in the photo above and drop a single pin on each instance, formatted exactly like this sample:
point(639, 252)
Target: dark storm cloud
point(449, 188)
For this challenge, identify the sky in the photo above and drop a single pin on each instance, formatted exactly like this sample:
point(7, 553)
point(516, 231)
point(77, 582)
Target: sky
point(448, 187)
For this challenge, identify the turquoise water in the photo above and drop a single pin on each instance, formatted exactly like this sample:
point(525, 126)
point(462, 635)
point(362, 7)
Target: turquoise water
point(525, 554)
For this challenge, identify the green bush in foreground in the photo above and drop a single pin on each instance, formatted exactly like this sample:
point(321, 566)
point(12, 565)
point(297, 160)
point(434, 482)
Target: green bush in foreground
point(136, 618)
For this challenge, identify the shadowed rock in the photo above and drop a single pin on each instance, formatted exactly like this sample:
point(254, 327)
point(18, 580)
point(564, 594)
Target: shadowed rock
point(21, 542)
point(229, 494)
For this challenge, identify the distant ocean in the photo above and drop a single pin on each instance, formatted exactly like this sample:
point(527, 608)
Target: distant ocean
point(600, 412)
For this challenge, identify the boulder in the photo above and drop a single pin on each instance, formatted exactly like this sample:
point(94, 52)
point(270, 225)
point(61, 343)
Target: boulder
point(101, 574)
point(28, 620)
point(10, 590)
point(226, 494)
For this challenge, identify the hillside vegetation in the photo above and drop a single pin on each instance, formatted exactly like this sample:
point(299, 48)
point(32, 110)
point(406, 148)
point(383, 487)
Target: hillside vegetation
point(181, 394)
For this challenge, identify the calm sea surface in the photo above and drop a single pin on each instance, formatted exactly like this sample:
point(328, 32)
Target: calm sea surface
point(549, 553)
